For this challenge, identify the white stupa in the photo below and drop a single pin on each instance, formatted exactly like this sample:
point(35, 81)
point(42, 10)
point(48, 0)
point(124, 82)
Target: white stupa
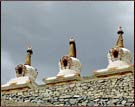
point(69, 67)
point(25, 75)
point(119, 59)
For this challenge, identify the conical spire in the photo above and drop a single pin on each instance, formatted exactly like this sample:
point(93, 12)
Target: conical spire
point(120, 38)
point(28, 56)
point(72, 47)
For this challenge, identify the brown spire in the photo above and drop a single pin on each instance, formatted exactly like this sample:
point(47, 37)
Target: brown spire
point(72, 47)
point(120, 38)
point(28, 56)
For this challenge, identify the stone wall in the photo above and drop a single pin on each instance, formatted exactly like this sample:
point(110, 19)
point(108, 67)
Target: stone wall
point(118, 90)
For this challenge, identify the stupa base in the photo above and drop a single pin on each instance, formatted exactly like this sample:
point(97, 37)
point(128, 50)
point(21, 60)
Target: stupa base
point(114, 71)
point(62, 79)
point(19, 83)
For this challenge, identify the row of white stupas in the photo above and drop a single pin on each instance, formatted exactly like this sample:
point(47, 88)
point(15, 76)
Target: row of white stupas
point(69, 67)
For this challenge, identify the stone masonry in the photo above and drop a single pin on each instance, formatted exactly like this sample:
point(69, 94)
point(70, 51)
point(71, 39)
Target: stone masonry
point(111, 91)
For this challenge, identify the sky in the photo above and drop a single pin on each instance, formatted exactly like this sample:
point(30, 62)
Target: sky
point(47, 27)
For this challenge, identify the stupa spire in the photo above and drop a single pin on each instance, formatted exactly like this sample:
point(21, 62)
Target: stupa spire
point(120, 38)
point(72, 47)
point(28, 56)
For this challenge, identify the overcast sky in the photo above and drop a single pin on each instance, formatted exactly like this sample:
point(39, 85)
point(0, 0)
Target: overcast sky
point(48, 25)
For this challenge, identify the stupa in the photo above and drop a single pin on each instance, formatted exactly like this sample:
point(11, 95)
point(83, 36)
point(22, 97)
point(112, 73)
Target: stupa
point(119, 58)
point(69, 66)
point(25, 75)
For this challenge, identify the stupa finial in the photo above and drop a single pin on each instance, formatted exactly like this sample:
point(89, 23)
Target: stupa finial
point(28, 55)
point(72, 47)
point(120, 38)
